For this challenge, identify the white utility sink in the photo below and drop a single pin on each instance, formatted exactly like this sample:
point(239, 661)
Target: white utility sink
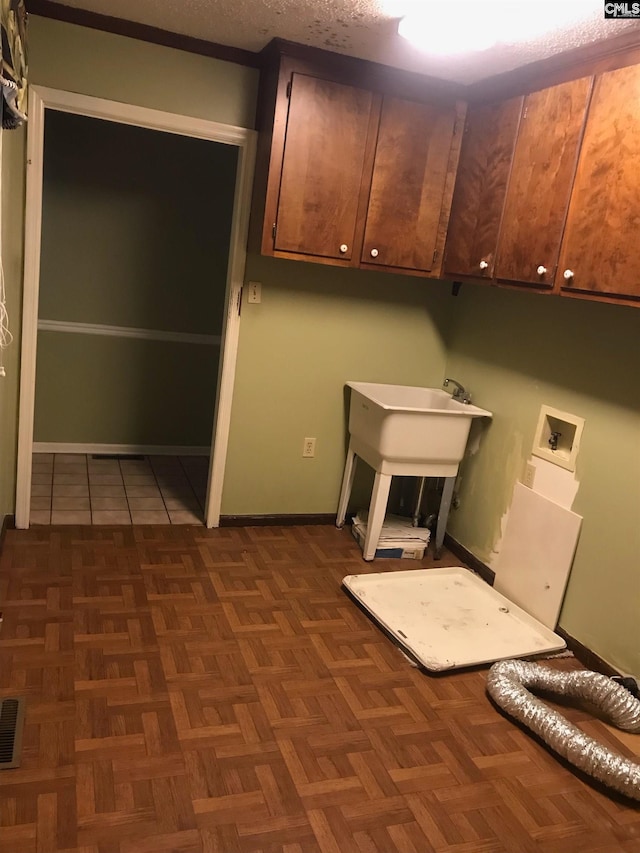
point(405, 425)
point(408, 431)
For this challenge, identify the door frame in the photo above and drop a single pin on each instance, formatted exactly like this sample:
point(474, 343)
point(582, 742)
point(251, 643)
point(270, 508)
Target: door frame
point(41, 99)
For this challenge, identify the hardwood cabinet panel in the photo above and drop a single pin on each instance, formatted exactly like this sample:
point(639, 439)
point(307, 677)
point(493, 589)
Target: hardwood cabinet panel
point(407, 188)
point(540, 184)
point(481, 186)
point(603, 225)
point(324, 152)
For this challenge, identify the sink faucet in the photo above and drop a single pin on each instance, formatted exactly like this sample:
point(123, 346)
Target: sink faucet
point(459, 394)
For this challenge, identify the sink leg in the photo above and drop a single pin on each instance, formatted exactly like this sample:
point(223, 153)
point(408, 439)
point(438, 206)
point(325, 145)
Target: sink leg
point(377, 510)
point(443, 514)
point(347, 485)
point(416, 512)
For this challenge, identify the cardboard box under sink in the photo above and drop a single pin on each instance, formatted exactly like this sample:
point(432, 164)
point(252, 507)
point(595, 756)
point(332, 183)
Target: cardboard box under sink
point(398, 539)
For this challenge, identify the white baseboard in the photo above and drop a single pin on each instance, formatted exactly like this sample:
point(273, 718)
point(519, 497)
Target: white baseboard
point(120, 449)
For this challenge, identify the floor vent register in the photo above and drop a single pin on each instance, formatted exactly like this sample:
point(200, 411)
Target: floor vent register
point(11, 726)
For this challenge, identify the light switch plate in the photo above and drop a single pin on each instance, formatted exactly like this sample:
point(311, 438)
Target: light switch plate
point(255, 292)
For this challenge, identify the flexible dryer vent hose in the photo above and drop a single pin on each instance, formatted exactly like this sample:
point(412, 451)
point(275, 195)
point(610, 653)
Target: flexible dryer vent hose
point(507, 683)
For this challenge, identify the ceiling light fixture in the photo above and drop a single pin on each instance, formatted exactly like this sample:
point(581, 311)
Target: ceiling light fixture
point(440, 27)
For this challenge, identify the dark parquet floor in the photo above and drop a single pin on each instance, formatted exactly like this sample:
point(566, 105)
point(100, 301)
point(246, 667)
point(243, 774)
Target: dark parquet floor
point(216, 692)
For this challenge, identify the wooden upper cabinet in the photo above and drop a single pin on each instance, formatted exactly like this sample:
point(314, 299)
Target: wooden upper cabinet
point(325, 143)
point(547, 189)
point(410, 169)
point(481, 185)
point(353, 175)
point(542, 174)
point(600, 249)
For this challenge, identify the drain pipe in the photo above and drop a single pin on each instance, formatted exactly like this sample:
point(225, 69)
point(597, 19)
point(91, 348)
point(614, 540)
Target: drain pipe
point(416, 512)
point(507, 683)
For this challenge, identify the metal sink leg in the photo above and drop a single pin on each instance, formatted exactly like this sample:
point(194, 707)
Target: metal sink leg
point(443, 514)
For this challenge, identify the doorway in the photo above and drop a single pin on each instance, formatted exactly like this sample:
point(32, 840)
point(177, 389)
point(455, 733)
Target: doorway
point(116, 334)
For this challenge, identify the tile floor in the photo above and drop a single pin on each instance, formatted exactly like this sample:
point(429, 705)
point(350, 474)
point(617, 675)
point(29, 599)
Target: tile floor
point(78, 489)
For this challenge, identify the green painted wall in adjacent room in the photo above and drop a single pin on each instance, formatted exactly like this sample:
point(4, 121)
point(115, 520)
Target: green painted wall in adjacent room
point(136, 226)
point(95, 389)
point(135, 233)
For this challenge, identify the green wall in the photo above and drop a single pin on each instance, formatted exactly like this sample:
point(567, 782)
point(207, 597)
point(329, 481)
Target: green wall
point(135, 233)
point(517, 351)
point(316, 328)
point(77, 59)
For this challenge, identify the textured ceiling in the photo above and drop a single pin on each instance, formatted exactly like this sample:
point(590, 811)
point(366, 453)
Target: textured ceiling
point(357, 27)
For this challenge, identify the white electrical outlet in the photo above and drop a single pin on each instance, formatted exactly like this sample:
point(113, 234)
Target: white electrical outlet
point(529, 475)
point(309, 447)
point(255, 291)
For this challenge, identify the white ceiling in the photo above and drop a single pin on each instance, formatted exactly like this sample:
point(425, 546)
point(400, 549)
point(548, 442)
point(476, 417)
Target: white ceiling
point(356, 27)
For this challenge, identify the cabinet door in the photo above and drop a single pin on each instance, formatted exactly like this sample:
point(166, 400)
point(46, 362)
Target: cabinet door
point(600, 246)
point(408, 183)
point(481, 186)
point(540, 184)
point(327, 126)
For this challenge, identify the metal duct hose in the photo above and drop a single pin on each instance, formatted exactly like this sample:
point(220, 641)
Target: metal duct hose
point(507, 683)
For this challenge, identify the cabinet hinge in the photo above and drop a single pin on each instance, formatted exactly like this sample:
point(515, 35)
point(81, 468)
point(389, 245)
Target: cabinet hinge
point(288, 92)
point(435, 255)
point(239, 302)
point(273, 230)
point(524, 112)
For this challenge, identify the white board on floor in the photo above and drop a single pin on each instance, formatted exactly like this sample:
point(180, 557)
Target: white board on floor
point(450, 618)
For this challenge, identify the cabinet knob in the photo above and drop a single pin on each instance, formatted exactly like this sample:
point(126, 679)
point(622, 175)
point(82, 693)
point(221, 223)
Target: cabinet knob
point(483, 265)
point(541, 270)
point(344, 248)
point(568, 274)
point(374, 253)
